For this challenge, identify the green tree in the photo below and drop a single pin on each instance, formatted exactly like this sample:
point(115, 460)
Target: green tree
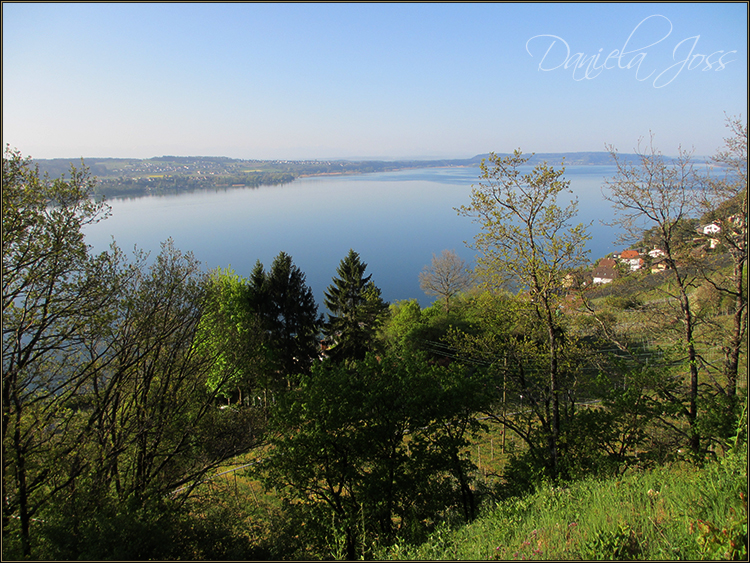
point(529, 241)
point(653, 191)
point(375, 447)
point(356, 310)
point(55, 299)
point(412, 328)
point(232, 332)
point(510, 346)
point(155, 396)
point(405, 318)
point(289, 315)
point(107, 418)
point(155, 429)
point(725, 201)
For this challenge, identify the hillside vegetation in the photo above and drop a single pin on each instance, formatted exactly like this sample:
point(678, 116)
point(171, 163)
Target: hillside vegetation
point(153, 410)
point(674, 512)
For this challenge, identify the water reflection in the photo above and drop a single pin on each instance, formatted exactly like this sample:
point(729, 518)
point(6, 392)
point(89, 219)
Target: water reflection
point(394, 220)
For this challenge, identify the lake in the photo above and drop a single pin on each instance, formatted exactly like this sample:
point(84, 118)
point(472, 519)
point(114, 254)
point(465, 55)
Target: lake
point(394, 220)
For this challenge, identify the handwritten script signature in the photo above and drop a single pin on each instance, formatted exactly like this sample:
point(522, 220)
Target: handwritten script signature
point(588, 67)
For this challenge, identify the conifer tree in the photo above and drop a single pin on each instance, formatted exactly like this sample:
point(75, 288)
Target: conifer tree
point(289, 314)
point(355, 306)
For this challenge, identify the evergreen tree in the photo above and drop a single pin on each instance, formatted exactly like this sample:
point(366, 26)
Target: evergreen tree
point(289, 315)
point(356, 309)
point(257, 290)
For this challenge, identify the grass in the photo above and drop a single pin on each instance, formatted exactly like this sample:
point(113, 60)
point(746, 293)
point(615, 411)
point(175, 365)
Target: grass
point(672, 512)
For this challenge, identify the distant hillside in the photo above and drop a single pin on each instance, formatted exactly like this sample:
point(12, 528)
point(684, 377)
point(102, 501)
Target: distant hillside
point(576, 158)
point(127, 177)
point(117, 177)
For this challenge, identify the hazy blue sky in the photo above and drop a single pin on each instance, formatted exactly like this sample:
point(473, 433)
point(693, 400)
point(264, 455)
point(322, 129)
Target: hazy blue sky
point(303, 81)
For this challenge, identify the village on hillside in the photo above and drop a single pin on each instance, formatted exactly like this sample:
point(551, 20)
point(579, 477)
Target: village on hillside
point(615, 265)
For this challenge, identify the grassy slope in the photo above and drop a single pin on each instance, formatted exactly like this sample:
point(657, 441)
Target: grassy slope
point(675, 512)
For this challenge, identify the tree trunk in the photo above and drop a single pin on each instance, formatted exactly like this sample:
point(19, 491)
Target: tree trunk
point(732, 352)
point(351, 544)
point(467, 495)
point(554, 391)
point(23, 493)
point(693, 364)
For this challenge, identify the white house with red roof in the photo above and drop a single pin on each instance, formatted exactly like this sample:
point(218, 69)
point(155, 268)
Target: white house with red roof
point(632, 258)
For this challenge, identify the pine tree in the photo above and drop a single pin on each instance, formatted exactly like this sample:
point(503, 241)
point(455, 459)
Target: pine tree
point(356, 308)
point(289, 314)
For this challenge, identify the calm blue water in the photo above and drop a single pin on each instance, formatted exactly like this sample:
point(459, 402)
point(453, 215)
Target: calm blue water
point(394, 220)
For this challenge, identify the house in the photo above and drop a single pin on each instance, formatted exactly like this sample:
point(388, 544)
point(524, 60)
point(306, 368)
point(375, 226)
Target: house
point(710, 229)
point(659, 266)
point(605, 271)
point(656, 253)
point(603, 275)
point(632, 258)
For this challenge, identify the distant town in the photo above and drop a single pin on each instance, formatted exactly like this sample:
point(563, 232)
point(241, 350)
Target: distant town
point(131, 177)
point(701, 236)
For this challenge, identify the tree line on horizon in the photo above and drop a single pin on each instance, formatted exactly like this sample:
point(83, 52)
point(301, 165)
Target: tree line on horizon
point(128, 383)
point(128, 177)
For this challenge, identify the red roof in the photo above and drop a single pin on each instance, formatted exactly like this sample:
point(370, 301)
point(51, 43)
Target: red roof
point(629, 254)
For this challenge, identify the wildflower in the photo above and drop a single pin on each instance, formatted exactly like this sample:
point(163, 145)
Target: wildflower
point(572, 525)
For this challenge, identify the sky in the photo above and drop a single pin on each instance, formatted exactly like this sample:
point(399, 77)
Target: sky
point(369, 81)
